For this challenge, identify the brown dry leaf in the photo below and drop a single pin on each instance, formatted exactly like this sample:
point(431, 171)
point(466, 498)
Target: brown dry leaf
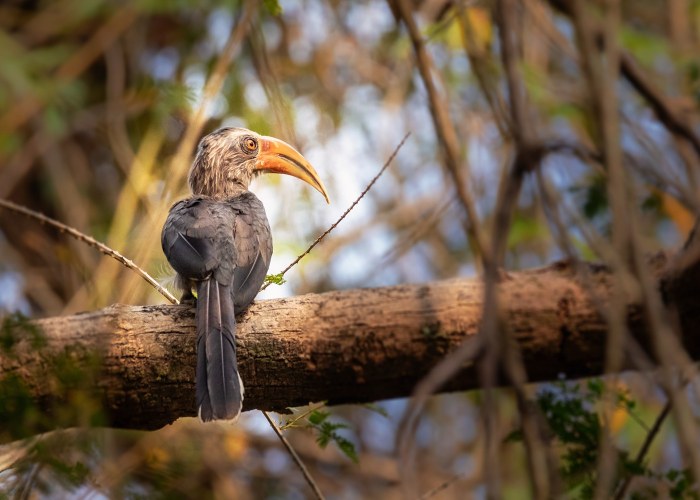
point(681, 216)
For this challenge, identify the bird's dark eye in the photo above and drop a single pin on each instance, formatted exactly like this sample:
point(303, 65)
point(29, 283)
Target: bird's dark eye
point(250, 144)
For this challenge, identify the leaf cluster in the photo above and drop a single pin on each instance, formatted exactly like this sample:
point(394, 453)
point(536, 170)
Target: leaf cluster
point(275, 279)
point(573, 412)
point(325, 429)
point(328, 431)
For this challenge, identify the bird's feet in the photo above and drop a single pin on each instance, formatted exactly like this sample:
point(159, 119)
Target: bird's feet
point(188, 298)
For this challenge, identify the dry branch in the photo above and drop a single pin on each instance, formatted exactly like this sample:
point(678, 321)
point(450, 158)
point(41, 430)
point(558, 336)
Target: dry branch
point(343, 346)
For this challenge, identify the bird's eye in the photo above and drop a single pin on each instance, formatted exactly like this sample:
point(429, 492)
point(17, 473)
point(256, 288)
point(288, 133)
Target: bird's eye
point(250, 144)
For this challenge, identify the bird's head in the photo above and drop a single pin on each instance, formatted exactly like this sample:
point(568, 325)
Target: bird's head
point(229, 158)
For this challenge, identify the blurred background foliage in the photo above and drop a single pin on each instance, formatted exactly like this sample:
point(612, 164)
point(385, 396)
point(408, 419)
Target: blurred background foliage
point(101, 105)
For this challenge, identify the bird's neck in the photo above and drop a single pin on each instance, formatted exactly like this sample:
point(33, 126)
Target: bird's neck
point(222, 191)
point(234, 187)
point(216, 183)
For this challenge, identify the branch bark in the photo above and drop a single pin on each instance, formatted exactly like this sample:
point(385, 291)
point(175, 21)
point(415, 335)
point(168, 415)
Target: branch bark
point(344, 346)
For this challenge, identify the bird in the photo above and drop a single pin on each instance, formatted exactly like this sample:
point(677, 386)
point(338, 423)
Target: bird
point(219, 243)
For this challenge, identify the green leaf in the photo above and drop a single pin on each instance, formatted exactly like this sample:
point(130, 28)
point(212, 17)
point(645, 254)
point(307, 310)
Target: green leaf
point(54, 122)
point(347, 448)
point(596, 198)
point(272, 7)
point(515, 436)
point(645, 46)
point(327, 432)
point(317, 417)
point(673, 474)
point(376, 409)
point(596, 386)
point(275, 279)
point(525, 229)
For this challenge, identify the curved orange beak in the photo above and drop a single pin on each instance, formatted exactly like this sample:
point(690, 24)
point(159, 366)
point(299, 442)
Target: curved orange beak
point(279, 157)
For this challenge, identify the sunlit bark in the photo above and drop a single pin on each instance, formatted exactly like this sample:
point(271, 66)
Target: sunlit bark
point(344, 346)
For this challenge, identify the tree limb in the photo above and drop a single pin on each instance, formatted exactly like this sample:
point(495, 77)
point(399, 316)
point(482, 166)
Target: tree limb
point(344, 346)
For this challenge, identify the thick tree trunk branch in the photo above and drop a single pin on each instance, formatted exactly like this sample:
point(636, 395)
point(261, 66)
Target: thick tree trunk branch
point(344, 346)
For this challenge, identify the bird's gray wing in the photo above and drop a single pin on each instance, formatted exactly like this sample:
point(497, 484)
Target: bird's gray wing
point(198, 242)
point(253, 242)
point(197, 239)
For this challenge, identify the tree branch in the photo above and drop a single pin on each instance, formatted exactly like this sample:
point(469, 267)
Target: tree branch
point(344, 346)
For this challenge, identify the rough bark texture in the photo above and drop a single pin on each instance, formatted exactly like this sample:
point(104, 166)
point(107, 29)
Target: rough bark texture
point(343, 346)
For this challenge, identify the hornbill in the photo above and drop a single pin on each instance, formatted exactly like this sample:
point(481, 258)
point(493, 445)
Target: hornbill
point(219, 243)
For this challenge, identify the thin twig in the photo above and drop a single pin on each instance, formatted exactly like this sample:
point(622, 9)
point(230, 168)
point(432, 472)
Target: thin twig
point(467, 353)
point(444, 128)
point(645, 447)
point(499, 349)
point(369, 186)
point(658, 102)
point(290, 423)
point(440, 487)
point(600, 65)
point(90, 241)
point(296, 458)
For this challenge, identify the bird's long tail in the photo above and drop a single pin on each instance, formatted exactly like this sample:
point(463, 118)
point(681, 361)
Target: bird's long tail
point(219, 388)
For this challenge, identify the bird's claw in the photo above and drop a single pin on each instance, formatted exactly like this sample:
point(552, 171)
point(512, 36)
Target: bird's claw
point(188, 298)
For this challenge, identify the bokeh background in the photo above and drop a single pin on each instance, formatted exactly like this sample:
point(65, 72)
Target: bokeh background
point(102, 104)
